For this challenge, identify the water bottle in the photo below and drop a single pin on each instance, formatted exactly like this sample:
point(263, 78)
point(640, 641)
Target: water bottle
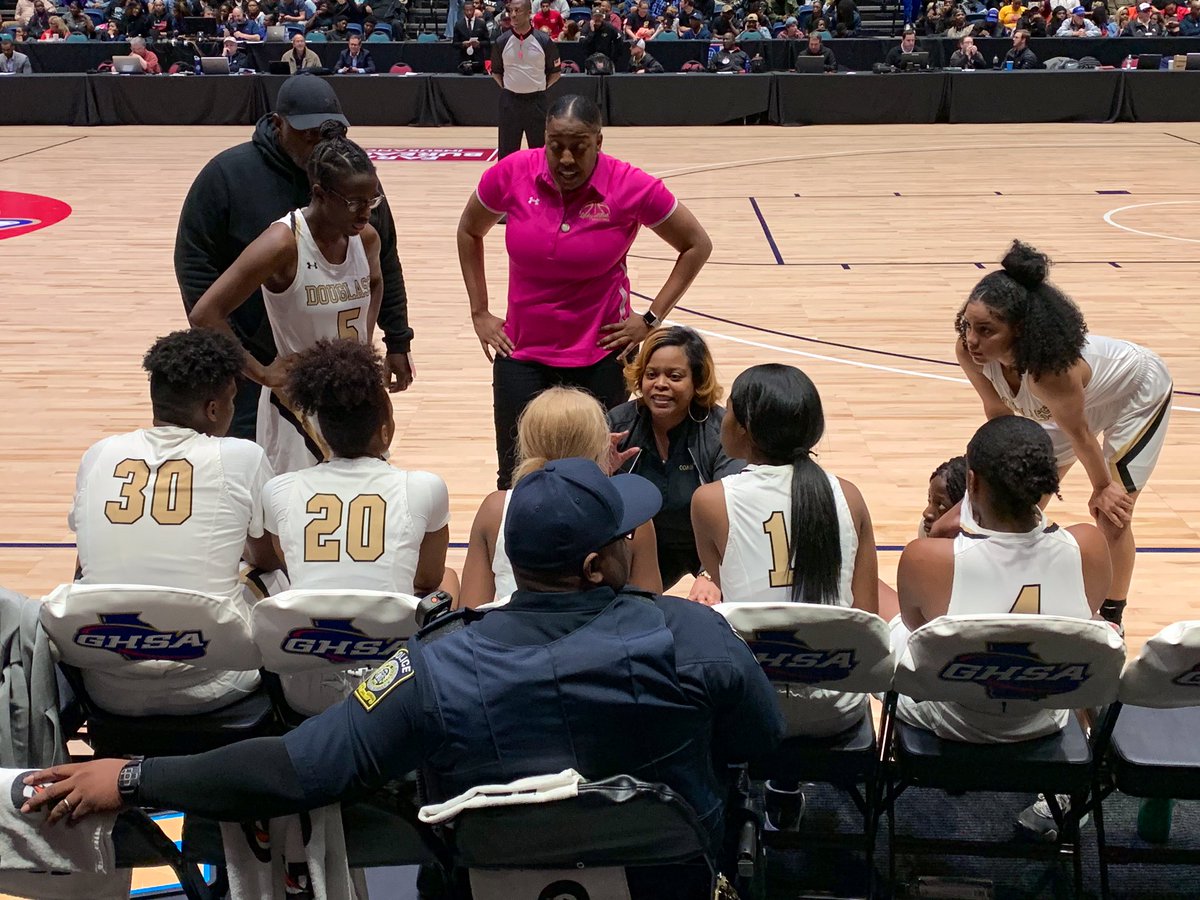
point(995, 62)
point(1154, 819)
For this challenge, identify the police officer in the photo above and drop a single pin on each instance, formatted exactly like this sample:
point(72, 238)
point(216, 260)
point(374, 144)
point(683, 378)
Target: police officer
point(576, 671)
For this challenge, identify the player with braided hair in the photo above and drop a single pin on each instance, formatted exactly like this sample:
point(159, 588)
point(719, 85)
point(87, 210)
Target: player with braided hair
point(1025, 347)
point(319, 271)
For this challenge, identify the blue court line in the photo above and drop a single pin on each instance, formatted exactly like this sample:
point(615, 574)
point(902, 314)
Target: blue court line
point(461, 545)
point(766, 231)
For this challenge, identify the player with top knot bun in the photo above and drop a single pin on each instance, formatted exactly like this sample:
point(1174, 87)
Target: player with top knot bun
point(1025, 347)
point(319, 272)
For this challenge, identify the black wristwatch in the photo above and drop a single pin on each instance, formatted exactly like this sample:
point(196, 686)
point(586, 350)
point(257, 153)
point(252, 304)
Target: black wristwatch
point(650, 318)
point(129, 780)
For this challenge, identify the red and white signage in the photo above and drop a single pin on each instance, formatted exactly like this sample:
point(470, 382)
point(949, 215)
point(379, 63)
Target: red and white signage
point(432, 154)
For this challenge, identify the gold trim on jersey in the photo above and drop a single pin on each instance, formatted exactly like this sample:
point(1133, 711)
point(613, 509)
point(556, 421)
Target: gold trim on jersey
point(303, 424)
point(1119, 464)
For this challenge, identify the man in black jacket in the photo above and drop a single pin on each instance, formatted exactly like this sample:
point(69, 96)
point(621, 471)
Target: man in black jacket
point(1020, 55)
point(641, 62)
point(602, 38)
point(730, 58)
point(472, 39)
point(243, 190)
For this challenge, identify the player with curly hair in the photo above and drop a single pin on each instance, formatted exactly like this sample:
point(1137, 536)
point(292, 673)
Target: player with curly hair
point(177, 505)
point(318, 268)
point(1025, 347)
point(356, 521)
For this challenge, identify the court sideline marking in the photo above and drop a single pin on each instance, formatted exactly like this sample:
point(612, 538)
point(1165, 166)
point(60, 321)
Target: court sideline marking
point(40, 149)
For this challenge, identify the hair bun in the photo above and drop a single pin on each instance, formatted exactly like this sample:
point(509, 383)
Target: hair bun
point(1025, 265)
point(332, 129)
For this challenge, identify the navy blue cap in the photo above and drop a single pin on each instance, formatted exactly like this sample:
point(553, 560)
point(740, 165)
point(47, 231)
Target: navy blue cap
point(568, 509)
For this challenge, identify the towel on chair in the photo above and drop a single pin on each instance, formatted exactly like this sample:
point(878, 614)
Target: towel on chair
point(535, 789)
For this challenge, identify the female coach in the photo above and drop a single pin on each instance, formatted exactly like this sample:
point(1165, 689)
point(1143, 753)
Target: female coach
point(573, 213)
point(1025, 348)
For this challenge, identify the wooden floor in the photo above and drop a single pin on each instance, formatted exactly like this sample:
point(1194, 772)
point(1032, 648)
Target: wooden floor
point(851, 259)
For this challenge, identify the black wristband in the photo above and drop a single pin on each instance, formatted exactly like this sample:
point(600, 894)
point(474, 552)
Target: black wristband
point(398, 343)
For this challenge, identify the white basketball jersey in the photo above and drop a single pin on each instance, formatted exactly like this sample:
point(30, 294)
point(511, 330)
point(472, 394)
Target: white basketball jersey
point(325, 299)
point(506, 582)
point(168, 506)
point(755, 567)
point(354, 523)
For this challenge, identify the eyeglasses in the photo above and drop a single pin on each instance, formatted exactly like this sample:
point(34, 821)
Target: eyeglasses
point(356, 205)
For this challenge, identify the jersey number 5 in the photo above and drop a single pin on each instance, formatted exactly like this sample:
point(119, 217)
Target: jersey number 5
point(170, 498)
point(347, 329)
point(1029, 600)
point(365, 519)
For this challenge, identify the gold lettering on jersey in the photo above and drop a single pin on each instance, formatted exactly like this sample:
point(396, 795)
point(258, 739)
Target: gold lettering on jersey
point(338, 292)
point(1041, 414)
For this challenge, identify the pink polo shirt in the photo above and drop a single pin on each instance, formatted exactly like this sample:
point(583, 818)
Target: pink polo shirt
point(566, 261)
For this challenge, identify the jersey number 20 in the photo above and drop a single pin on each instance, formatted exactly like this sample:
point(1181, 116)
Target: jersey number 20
point(365, 517)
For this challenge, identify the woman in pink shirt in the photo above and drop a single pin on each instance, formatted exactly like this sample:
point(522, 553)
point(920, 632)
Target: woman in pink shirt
point(572, 215)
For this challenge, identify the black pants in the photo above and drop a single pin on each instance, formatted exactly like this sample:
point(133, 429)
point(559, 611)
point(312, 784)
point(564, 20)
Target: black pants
point(521, 114)
point(245, 410)
point(675, 562)
point(515, 383)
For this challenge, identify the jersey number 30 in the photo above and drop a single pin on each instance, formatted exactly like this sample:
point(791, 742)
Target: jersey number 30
point(170, 497)
point(365, 517)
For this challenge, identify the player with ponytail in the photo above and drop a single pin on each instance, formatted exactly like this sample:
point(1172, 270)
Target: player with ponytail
point(1025, 347)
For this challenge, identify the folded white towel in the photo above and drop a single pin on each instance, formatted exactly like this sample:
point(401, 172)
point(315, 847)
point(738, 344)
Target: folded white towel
point(534, 789)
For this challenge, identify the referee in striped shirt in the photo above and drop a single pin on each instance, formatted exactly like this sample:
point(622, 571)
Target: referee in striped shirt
point(524, 63)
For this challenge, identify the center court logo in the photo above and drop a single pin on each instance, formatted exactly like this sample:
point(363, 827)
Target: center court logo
point(22, 213)
point(338, 641)
point(128, 636)
point(785, 658)
point(1014, 672)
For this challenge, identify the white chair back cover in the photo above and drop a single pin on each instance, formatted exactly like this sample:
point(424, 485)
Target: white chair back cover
point(1166, 674)
point(1004, 663)
point(834, 647)
point(147, 631)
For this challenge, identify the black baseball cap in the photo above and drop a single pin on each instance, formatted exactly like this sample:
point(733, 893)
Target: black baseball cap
point(568, 509)
point(306, 101)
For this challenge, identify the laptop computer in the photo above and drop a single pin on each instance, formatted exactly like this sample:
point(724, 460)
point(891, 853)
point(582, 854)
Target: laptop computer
point(129, 65)
point(276, 33)
point(1193, 62)
point(200, 25)
point(214, 65)
point(1150, 61)
point(278, 67)
point(910, 62)
point(810, 64)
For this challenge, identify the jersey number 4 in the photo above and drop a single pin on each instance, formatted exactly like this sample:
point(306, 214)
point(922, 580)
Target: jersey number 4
point(775, 528)
point(364, 516)
point(1029, 600)
point(170, 497)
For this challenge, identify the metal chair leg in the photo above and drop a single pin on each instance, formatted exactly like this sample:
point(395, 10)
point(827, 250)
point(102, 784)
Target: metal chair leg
point(1098, 816)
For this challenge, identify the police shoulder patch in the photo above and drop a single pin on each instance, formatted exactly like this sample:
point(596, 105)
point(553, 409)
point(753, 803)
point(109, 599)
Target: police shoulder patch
point(384, 680)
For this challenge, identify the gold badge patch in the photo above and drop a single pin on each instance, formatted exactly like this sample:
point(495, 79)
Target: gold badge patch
point(384, 680)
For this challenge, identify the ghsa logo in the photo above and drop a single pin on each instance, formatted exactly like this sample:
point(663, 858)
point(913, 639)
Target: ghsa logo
point(1190, 678)
point(1014, 672)
point(338, 641)
point(23, 213)
point(784, 657)
point(128, 636)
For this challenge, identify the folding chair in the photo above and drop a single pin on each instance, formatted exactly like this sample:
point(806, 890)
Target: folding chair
point(383, 28)
point(165, 636)
point(1148, 740)
point(1004, 665)
point(316, 646)
point(809, 652)
point(619, 837)
point(316, 37)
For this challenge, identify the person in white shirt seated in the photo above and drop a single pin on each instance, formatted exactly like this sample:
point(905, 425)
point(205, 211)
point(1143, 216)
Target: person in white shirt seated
point(559, 423)
point(784, 529)
point(356, 521)
point(176, 505)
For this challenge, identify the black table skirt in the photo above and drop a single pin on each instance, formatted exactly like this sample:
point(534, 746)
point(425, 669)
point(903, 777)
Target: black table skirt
point(1070, 96)
point(916, 97)
point(149, 100)
point(1162, 97)
point(693, 99)
point(44, 100)
point(390, 100)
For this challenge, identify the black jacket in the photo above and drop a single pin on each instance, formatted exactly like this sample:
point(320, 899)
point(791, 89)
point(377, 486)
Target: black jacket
point(960, 60)
point(1023, 59)
point(475, 28)
point(364, 61)
point(704, 440)
point(235, 197)
point(647, 64)
point(604, 39)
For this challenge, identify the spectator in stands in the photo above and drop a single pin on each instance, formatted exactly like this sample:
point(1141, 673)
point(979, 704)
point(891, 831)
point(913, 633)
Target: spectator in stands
point(135, 22)
point(845, 12)
point(636, 20)
point(1010, 14)
point(137, 47)
point(393, 13)
point(355, 59)
point(1099, 16)
point(929, 23)
point(908, 44)
point(237, 59)
point(301, 56)
point(195, 543)
point(1058, 16)
point(821, 29)
point(160, 19)
point(1144, 25)
point(990, 27)
point(752, 31)
point(180, 12)
point(341, 29)
point(111, 31)
point(549, 19)
point(817, 48)
point(959, 26)
point(26, 9)
point(1079, 25)
point(696, 30)
point(322, 19)
point(967, 56)
point(1171, 27)
point(613, 19)
point(1189, 25)
point(238, 26)
point(730, 57)
point(472, 40)
point(288, 11)
point(641, 62)
point(12, 62)
point(602, 38)
point(791, 30)
point(570, 33)
point(78, 21)
point(1020, 55)
point(39, 20)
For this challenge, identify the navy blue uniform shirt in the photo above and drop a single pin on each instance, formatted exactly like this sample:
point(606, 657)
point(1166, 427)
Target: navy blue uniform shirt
point(654, 687)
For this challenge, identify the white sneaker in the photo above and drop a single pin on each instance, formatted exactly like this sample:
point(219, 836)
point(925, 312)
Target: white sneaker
point(1038, 822)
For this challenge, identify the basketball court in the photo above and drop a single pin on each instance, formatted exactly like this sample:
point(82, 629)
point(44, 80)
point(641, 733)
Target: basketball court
point(844, 251)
